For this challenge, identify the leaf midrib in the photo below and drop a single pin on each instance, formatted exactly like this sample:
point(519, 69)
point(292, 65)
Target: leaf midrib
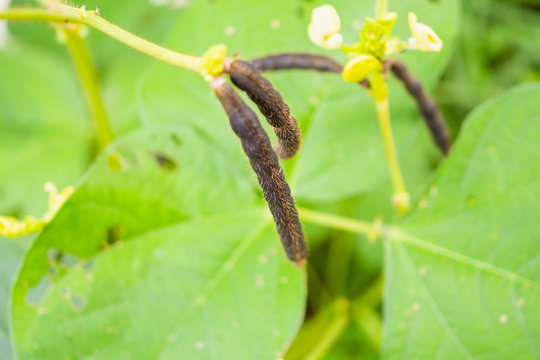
point(443, 321)
point(394, 234)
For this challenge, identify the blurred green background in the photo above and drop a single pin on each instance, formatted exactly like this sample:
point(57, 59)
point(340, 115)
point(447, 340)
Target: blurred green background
point(498, 47)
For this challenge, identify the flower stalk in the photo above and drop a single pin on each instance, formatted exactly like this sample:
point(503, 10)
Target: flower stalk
point(401, 198)
point(60, 13)
point(381, 8)
point(366, 61)
point(87, 73)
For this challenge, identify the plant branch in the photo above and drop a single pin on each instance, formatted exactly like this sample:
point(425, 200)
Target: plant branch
point(381, 8)
point(85, 67)
point(332, 332)
point(364, 314)
point(370, 322)
point(189, 62)
point(340, 222)
point(401, 197)
point(39, 14)
point(60, 13)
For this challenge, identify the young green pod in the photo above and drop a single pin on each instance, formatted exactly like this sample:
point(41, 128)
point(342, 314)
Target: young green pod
point(247, 78)
point(265, 164)
point(426, 106)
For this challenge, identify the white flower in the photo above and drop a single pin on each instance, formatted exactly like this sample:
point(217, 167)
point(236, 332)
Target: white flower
point(424, 36)
point(324, 27)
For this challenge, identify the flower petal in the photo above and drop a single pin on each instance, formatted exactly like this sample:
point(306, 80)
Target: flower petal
point(359, 67)
point(324, 27)
point(426, 39)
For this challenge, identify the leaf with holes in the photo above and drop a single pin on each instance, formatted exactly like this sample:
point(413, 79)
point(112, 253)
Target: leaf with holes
point(463, 272)
point(342, 153)
point(165, 251)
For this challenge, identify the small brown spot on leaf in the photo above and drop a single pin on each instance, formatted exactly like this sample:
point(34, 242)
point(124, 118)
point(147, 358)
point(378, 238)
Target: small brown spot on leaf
point(114, 235)
point(164, 161)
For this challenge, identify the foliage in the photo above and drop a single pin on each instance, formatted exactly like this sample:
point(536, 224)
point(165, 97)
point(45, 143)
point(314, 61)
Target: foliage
point(166, 249)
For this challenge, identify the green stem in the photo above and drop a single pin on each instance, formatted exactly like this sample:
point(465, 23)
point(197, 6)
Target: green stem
point(381, 7)
point(337, 222)
point(337, 264)
point(318, 295)
point(401, 198)
point(332, 332)
point(189, 62)
point(60, 13)
point(39, 15)
point(370, 322)
point(364, 314)
point(373, 295)
point(83, 62)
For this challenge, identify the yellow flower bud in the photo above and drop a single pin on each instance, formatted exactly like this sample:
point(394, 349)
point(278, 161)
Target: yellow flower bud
point(324, 27)
point(424, 36)
point(213, 60)
point(359, 67)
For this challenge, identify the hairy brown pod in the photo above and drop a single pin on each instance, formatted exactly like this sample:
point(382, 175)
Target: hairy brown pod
point(426, 106)
point(248, 79)
point(297, 61)
point(265, 164)
point(303, 61)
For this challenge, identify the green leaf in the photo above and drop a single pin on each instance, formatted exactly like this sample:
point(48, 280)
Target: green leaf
point(46, 133)
point(12, 253)
point(342, 152)
point(463, 270)
point(167, 252)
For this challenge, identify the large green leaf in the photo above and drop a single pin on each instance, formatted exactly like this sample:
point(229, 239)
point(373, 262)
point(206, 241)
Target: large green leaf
point(168, 253)
point(463, 272)
point(45, 128)
point(342, 153)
